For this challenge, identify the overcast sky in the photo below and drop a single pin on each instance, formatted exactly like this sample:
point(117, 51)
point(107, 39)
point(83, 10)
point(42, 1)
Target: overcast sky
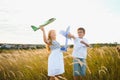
point(100, 18)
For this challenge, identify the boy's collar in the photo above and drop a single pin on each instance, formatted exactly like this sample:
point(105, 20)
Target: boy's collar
point(80, 37)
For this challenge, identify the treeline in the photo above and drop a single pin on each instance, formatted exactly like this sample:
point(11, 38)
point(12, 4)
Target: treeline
point(97, 45)
point(22, 46)
point(105, 44)
point(42, 46)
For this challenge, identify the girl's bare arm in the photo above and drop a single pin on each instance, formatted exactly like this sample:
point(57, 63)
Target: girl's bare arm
point(44, 36)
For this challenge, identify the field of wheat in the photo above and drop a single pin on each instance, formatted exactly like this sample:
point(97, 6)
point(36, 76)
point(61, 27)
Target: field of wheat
point(103, 63)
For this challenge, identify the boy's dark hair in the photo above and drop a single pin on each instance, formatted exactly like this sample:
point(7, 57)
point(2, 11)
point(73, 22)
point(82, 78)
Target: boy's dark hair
point(81, 28)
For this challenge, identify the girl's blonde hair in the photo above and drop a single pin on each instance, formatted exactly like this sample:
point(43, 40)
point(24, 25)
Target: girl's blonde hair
point(50, 40)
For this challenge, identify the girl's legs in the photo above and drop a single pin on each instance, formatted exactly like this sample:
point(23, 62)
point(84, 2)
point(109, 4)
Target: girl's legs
point(58, 76)
point(52, 78)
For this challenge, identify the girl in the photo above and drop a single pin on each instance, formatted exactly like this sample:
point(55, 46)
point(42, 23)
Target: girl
point(55, 60)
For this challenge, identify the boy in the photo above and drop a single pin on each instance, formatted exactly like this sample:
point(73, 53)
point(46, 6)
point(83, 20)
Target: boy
point(79, 54)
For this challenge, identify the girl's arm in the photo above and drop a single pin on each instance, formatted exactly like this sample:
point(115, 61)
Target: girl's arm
point(44, 36)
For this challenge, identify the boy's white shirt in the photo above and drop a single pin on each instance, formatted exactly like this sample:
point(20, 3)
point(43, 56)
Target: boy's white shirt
point(80, 50)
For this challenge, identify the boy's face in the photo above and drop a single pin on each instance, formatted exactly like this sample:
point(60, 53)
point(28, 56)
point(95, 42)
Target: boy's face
point(81, 33)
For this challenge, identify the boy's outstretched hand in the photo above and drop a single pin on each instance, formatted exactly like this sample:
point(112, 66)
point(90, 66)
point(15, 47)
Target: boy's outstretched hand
point(71, 36)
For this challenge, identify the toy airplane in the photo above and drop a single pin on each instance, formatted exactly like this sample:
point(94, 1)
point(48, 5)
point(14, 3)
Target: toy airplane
point(65, 34)
point(43, 25)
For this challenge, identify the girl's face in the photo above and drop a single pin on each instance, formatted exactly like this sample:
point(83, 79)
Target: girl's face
point(53, 34)
point(81, 33)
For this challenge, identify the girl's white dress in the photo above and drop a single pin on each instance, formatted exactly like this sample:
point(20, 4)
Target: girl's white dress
point(55, 60)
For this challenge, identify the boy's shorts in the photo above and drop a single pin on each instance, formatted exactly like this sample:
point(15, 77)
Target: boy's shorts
point(78, 68)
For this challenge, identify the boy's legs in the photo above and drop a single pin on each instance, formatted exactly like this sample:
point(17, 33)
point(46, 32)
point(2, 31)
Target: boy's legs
point(76, 77)
point(79, 70)
point(76, 69)
point(83, 69)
